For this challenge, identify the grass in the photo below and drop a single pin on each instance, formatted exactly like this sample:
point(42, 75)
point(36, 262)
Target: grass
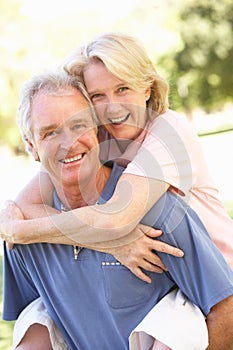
point(6, 328)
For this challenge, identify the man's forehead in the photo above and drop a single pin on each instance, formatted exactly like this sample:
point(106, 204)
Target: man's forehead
point(65, 99)
point(66, 92)
point(81, 116)
point(47, 108)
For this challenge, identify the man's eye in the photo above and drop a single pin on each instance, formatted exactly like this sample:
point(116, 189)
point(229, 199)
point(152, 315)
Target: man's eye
point(49, 134)
point(79, 126)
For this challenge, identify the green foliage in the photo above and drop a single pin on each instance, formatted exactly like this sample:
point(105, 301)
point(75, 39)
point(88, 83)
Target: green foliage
point(11, 71)
point(199, 71)
point(229, 208)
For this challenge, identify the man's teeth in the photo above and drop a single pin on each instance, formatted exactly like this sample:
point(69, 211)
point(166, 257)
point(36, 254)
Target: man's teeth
point(73, 159)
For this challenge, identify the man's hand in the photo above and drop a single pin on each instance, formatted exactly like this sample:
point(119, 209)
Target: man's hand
point(8, 219)
point(140, 254)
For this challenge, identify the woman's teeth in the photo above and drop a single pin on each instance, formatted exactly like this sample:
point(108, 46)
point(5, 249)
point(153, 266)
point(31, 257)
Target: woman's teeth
point(119, 120)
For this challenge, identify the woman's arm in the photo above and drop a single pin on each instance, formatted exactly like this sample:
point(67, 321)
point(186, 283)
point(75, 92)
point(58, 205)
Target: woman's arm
point(135, 249)
point(36, 198)
point(106, 225)
point(137, 256)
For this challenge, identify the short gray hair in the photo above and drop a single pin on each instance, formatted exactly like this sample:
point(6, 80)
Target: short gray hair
point(52, 83)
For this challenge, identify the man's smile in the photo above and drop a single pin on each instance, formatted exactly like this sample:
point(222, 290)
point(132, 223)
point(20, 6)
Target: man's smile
point(72, 159)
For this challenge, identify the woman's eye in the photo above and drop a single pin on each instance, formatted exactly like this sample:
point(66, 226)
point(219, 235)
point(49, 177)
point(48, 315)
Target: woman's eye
point(96, 96)
point(123, 88)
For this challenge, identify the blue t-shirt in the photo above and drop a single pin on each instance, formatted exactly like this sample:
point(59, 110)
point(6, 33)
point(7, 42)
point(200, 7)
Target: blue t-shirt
point(95, 301)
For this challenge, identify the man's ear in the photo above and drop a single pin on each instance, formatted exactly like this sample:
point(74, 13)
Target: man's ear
point(33, 150)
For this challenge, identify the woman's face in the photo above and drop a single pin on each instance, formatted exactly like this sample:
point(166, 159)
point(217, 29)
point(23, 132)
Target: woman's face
point(120, 109)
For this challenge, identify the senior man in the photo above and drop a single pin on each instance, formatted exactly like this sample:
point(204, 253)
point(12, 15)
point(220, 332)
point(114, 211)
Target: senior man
point(94, 300)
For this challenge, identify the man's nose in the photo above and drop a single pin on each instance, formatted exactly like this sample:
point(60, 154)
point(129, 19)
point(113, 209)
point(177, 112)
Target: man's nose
point(68, 139)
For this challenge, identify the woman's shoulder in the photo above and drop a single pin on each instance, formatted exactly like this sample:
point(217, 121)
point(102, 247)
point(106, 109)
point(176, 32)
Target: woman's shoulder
point(172, 120)
point(173, 117)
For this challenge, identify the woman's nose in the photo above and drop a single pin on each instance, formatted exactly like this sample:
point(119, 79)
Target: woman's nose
point(113, 107)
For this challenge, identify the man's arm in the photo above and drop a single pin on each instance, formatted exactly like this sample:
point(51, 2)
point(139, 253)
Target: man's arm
point(19, 288)
point(220, 325)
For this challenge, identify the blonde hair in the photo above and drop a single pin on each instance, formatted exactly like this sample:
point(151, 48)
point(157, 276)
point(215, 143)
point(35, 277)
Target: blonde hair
point(55, 82)
point(126, 59)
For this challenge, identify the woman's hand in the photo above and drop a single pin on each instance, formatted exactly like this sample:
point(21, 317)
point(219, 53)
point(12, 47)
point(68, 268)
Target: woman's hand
point(140, 254)
point(9, 217)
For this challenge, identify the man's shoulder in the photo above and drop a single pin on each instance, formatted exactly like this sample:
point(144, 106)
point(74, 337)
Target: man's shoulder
point(110, 186)
point(168, 206)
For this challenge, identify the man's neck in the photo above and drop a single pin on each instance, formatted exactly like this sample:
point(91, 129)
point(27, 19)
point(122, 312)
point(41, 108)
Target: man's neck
point(86, 194)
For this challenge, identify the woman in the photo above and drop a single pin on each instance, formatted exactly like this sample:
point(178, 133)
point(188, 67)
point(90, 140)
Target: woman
point(131, 101)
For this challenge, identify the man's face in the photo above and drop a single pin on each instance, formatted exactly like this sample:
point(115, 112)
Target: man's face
point(64, 136)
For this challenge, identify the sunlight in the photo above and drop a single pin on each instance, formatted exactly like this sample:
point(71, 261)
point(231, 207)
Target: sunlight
point(42, 11)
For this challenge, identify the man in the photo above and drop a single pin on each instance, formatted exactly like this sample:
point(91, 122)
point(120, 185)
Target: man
point(94, 300)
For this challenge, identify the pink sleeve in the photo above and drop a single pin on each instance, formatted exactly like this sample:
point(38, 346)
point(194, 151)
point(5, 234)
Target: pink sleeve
point(163, 154)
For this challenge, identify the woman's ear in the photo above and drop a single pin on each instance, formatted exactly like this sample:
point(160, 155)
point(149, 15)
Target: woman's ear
point(148, 93)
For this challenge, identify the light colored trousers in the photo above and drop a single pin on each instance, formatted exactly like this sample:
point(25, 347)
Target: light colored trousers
point(174, 322)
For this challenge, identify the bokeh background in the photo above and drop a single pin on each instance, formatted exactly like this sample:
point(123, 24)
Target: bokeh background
point(190, 42)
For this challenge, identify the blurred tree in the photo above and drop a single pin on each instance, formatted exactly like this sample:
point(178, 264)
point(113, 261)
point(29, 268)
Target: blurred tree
point(11, 70)
point(197, 41)
point(200, 72)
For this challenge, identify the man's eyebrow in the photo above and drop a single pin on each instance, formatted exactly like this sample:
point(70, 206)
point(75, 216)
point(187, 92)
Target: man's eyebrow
point(43, 129)
point(77, 118)
point(81, 117)
point(74, 118)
